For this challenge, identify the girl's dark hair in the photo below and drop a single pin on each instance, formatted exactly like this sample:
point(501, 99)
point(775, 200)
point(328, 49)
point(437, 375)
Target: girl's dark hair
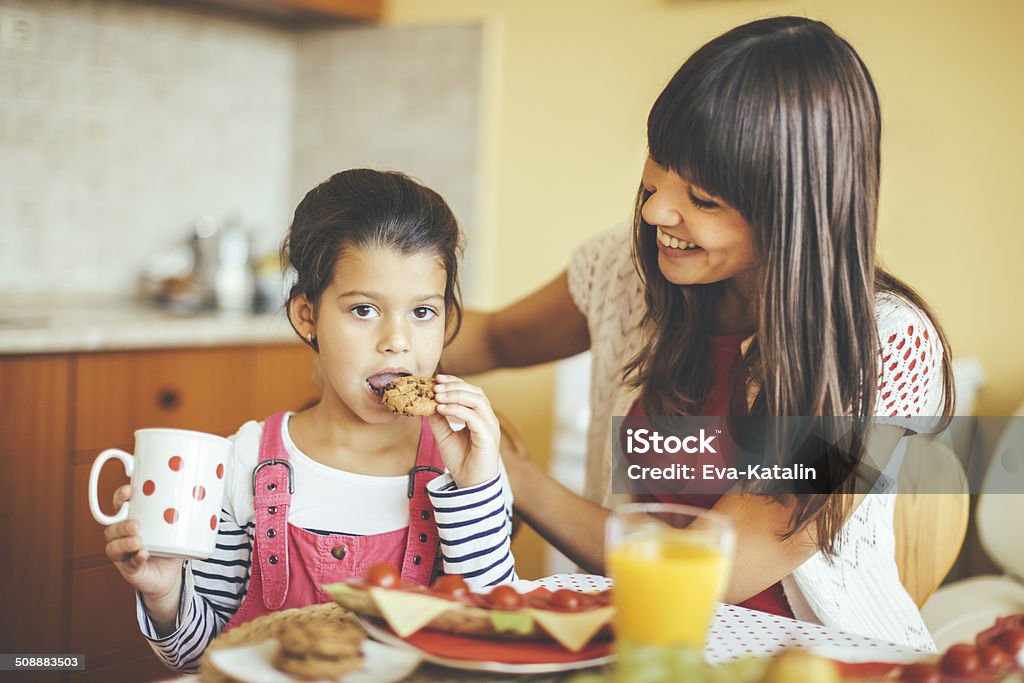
point(363, 208)
point(779, 118)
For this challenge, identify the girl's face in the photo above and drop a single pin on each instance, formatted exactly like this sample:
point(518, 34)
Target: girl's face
point(701, 239)
point(381, 317)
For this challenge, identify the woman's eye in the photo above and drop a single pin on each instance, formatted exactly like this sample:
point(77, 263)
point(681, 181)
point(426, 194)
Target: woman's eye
point(364, 312)
point(423, 313)
point(700, 202)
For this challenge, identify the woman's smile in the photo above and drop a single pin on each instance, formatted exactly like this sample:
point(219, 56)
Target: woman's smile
point(673, 247)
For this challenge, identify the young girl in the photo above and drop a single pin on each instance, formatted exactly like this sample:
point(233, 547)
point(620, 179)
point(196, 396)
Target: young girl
point(749, 284)
point(321, 495)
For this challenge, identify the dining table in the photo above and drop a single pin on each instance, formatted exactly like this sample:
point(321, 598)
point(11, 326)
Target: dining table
point(735, 633)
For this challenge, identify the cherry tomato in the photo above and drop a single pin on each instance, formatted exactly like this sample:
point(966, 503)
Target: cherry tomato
point(992, 658)
point(452, 585)
point(566, 599)
point(505, 597)
point(960, 660)
point(921, 672)
point(1010, 641)
point(383, 575)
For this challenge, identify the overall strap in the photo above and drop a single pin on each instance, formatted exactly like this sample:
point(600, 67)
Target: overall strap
point(421, 547)
point(273, 484)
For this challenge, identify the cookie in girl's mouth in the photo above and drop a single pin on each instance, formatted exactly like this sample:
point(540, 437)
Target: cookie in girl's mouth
point(411, 395)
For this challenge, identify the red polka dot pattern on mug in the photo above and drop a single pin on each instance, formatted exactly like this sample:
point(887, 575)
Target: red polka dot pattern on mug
point(199, 492)
point(213, 522)
point(148, 487)
point(170, 515)
point(220, 471)
point(175, 463)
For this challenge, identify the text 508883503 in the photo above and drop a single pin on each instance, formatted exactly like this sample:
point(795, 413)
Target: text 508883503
point(41, 662)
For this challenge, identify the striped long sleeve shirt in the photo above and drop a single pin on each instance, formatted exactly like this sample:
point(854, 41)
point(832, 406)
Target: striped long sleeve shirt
point(474, 528)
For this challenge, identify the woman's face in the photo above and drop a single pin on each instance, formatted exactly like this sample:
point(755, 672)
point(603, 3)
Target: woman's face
point(701, 239)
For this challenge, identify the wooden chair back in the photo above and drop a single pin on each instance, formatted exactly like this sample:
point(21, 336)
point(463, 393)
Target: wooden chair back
point(929, 526)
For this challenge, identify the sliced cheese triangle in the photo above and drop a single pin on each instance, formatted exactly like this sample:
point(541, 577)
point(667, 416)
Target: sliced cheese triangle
point(573, 629)
point(407, 613)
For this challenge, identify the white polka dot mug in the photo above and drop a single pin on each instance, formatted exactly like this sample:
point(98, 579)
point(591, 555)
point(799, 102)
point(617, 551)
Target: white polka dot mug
point(177, 488)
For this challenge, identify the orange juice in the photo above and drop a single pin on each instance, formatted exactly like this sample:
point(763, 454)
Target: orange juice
point(666, 586)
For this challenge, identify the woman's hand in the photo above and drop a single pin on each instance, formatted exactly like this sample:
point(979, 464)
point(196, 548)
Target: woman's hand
point(471, 454)
point(158, 579)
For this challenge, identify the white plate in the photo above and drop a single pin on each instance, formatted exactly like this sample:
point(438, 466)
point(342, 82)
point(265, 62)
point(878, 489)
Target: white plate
point(252, 663)
point(472, 665)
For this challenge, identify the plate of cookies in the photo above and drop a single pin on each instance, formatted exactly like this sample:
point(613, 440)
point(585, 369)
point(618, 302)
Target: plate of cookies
point(316, 651)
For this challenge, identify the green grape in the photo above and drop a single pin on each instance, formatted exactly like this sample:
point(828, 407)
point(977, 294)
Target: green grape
point(745, 670)
point(637, 663)
point(685, 660)
point(590, 677)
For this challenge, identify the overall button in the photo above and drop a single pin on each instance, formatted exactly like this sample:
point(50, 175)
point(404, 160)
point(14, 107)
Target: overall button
point(271, 533)
point(271, 486)
point(339, 552)
point(423, 538)
point(417, 559)
point(424, 515)
point(272, 559)
point(272, 509)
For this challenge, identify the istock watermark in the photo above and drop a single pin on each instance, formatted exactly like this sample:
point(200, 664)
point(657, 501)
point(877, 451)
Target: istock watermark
point(802, 455)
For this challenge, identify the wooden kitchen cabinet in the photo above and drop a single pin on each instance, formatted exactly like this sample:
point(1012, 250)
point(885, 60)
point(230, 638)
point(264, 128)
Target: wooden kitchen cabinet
point(59, 593)
point(34, 446)
point(207, 390)
point(306, 11)
point(367, 10)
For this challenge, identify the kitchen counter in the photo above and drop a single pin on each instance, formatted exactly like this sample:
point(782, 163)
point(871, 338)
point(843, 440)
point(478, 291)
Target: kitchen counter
point(76, 322)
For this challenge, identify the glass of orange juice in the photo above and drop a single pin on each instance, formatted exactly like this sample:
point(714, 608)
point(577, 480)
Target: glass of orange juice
point(669, 564)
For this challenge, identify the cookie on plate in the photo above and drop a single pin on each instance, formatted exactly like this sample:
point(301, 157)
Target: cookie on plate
point(410, 395)
point(320, 649)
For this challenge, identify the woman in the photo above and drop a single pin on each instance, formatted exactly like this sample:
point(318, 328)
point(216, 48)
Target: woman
point(748, 285)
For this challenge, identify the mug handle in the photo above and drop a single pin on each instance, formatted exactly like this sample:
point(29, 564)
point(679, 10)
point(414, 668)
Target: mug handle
point(94, 478)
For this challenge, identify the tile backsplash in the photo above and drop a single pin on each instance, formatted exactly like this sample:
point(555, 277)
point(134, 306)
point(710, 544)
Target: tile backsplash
point(126, 122)
point(122, 122)
point(403, 98)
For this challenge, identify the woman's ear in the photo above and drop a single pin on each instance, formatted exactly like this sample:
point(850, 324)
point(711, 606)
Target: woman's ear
point(302, 315)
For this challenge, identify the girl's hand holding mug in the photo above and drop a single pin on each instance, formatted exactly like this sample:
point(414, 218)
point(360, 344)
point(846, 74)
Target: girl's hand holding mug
point(167, 513)
point(471, 454)
point(158, 579)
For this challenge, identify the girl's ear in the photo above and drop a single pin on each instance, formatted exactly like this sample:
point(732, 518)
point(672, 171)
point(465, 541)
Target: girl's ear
point(302, 315)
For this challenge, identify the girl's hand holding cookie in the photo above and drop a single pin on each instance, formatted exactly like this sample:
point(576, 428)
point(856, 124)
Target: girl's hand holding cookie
point(470, 454)
point(158, 579)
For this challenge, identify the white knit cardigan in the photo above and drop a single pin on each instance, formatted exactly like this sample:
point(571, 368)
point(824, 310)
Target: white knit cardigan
point(859, 590)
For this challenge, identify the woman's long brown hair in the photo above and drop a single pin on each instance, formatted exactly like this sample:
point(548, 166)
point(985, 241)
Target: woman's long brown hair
point(780, 119)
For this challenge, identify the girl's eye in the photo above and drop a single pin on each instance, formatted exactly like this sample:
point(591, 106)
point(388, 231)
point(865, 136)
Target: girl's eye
point(365, 312)
point(701, 203)
point(423, 313)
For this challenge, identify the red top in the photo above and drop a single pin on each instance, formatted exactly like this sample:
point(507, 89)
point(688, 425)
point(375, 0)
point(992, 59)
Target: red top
point(725, 363)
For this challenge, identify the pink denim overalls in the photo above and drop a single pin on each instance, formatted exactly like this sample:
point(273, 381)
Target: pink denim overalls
point(289, 564)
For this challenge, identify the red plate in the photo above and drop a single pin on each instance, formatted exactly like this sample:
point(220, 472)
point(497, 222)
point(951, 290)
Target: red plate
point(505, 651)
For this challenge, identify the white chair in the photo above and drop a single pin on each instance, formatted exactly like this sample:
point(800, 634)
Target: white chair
point(958, 611)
